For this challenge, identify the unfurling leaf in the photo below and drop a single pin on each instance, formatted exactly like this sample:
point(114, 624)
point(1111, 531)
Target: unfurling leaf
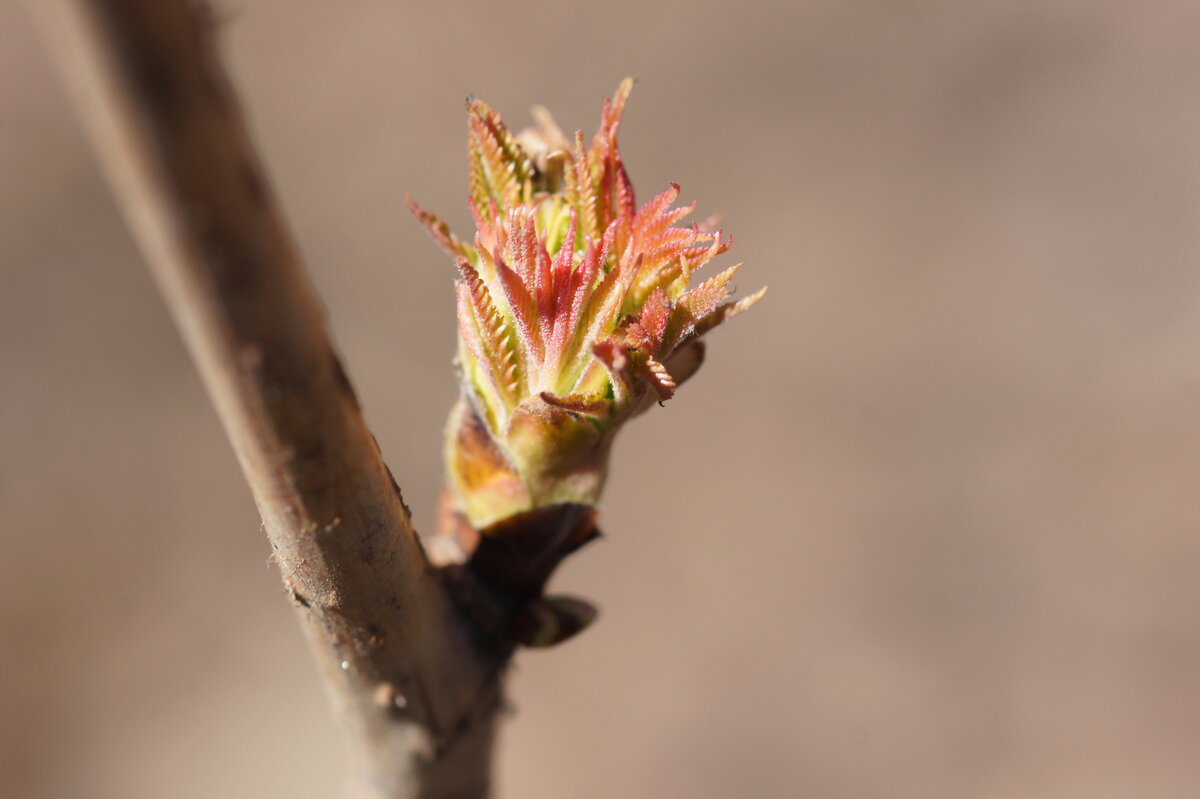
point(576, 309)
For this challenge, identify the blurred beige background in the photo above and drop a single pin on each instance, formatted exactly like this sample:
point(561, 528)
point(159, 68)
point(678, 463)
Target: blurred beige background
point(926, 525)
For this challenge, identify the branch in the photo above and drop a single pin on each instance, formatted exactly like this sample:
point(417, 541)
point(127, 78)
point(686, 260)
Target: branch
point(415, 694)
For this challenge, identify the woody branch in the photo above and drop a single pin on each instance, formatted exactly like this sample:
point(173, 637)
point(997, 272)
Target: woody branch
point(414, 693)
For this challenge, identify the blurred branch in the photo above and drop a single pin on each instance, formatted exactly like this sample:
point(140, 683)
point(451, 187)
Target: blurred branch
point(415, 694)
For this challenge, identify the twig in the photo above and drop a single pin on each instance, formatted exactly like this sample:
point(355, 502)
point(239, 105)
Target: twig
point(414, 692)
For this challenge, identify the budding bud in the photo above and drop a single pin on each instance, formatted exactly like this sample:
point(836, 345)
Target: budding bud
point(575, 312)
